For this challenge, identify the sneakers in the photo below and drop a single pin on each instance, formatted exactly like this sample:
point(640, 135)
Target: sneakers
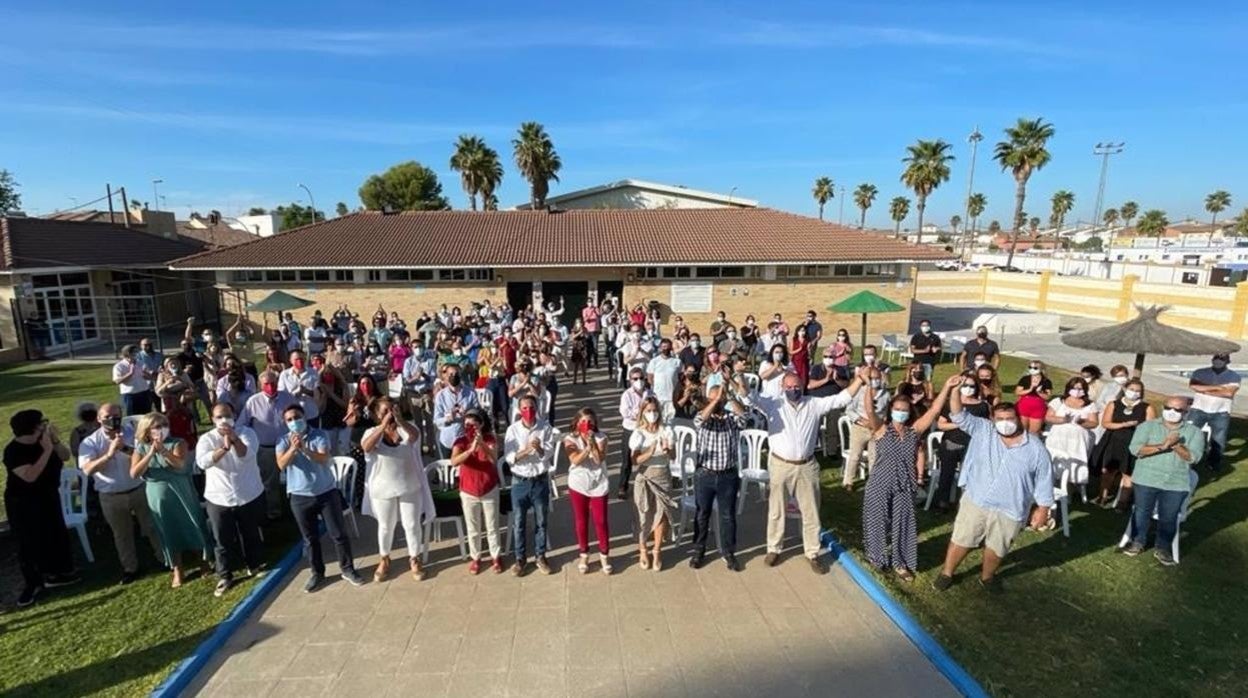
point(517, 569)
point(816, 566)
point(128, 578)
point(353, 578)
point(314, 581)
point(474, 567)
point(696, 561)
point(497, 565)
point(53, 581)
point(731, 561)
point(1132, 549)
point(223, 586)
point(28, 595)
point(542, 565)
point(942, 582)
point(770, 559)
point(1164, 557)
point(992, 585)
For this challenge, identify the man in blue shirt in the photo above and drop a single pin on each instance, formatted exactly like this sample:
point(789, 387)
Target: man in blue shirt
point(449, 406)
point(303, 454)
point(1005, 470)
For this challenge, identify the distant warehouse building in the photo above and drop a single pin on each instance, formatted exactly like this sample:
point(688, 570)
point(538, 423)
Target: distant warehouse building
point(694, 262)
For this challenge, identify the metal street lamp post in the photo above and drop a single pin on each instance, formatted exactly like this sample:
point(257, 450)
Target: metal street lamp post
point(156, 194)
point(311, 200)
point(1104, 150)
point(974, 140)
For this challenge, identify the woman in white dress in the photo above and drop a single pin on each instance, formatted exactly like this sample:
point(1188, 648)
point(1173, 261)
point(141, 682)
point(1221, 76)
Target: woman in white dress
point(772, 371)
point(396, 486)
point(1072, 418)
point(652, 445)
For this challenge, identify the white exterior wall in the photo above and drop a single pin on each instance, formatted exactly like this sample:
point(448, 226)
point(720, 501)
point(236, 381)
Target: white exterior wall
point(265, 225)
point(1095, 267)
point(636, 197)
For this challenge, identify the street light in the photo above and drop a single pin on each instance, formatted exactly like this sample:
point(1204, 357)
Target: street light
point(1104, 150)
point(155, 193)
point(840, 218)
point(310, 200)
point(974, 140)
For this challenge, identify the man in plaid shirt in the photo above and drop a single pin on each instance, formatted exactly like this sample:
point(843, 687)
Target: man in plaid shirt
point(716, 479)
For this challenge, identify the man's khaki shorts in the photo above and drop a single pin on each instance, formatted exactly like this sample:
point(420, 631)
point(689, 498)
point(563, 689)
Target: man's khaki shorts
point(992, 528)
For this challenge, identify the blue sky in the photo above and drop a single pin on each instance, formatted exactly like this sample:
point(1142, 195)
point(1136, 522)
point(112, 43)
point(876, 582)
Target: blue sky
point(235, 104)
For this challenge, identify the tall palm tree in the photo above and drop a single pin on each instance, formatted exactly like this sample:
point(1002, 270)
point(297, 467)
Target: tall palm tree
point(1129, 210)
point(537, 160)
point(823, 191)
point(864, 196)
point(994, 227)
point(927, 167)
point(898, 209)
point(465, 160)
point(1241, 224)
point(489, 174)
point(1216, 203)
point(1023, 152)
point(1153, 222)
point(955, 221)
point(975, 206)
point(1063, 201)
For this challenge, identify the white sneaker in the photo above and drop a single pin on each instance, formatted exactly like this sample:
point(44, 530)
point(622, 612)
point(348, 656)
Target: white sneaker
point(606, 564)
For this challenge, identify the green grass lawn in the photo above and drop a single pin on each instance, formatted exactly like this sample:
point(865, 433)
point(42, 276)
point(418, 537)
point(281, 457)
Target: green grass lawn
point(1079, 618)
point(98, 638)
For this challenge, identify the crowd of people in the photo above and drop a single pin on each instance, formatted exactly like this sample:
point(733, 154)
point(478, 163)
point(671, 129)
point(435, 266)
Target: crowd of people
point(205, 447)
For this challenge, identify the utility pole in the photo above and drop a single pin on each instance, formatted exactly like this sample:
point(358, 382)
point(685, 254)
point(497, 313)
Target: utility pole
point(1104, 150)
point(840, 218)
point(310, 200)
point(125, 208)
point(974, 140)
point(108, 188)
point(156, 194)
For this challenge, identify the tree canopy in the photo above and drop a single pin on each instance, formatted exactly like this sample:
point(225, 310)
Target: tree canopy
point(408, 186)
point(10, 198)
point(296, 215)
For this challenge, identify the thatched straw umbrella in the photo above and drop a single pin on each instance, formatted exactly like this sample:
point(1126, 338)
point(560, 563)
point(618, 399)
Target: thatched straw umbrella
point(1148, 335)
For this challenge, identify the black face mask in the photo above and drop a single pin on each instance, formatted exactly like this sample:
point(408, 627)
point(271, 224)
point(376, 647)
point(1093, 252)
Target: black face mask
point(981, 335)
point(453, 380)
point(112, 423)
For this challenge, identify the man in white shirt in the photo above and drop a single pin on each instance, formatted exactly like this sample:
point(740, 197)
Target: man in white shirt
point(529, 449)
point(315, 337)
point(234, 493)
point(663, 371)
point(135, 389)
point(302, 383)
point(105, 456)
point(793, 424)
point(1215, 389)
point(630, 410)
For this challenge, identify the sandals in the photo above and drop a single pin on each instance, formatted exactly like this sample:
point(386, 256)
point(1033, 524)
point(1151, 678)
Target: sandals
point(645, 560)
point(382, 571)
point(606, 564)
point(904, 574)
point(583, 563)
point(418, 571)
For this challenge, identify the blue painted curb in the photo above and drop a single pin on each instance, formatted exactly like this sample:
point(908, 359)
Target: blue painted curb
point(186, 672)
point(935, 653)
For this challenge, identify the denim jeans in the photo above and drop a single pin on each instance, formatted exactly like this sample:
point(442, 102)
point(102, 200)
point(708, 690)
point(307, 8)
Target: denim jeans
point(716, 487)
point(1168, 503)
point(1219, 423)
point(326, 507)
point(529, 494)
point(136, 403)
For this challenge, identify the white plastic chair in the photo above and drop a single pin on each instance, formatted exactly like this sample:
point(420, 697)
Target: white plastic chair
point(688, 503)
point(750, 463)
point(74, 506)
point(1061, 497)
point(554, 464)
point(433, 526)
point(1192, 480)
point(686, 448)
point(486, 400)
point(343, 468)
point(394, 388)
point(842, 431)
point(933, 465)
point(888, 345)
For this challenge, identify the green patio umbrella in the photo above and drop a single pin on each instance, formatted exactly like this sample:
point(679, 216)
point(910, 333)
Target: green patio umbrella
point(279, 302)
point(865, 302)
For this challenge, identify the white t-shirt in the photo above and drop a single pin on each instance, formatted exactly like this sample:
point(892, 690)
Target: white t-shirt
point(232, 481)
point(394, 471)
point(642, 439)
point(136, 383)
point(1212, 403)
point(665, 371)
point(590, 477)
point(114, 476)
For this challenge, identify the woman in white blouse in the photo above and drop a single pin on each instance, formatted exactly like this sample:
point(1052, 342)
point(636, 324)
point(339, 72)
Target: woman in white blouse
point(588, 485)
point(652, 445)
point(772, 371)
point(396, 486)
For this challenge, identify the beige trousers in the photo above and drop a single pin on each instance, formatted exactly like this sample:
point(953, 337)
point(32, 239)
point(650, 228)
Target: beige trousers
point(859, 438)
point(476, 508)
point(802, 482)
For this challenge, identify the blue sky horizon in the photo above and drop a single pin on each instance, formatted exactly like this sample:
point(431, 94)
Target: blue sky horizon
point(235, 107)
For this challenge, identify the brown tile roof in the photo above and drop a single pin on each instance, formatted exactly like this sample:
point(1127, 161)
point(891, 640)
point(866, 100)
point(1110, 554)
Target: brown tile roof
point(32, 243)
point(585, 237)
point(215, 236)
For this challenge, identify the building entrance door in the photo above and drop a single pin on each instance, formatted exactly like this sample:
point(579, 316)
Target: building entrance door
point(519, 294)
point(574, 294)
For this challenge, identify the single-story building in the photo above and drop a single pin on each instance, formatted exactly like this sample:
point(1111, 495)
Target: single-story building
point(68, 287)
point(637, 193)
point(694, 262)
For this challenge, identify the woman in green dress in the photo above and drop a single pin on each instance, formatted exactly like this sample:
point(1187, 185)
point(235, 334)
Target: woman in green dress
point(161, 460)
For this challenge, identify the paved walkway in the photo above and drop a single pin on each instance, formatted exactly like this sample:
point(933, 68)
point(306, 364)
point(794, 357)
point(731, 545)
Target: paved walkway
point(761, 632)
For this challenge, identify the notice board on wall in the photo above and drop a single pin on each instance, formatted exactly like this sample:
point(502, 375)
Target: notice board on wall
point(692, 298)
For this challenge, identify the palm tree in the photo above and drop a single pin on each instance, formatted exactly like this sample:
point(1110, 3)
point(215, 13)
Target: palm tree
point(975, 206)
point(1153, 222)
point(1033, 225)
point(537, 161)
point(466, 161)
point(954, 222)
point(1023, 153)
point(864, 196)
point(994, 227)
point(1216, 203)
point(1063, 201)
point(927, 167)
point(1128, 211)
point(898, 209)
point(489, 169)
point(1241, 224)
point(823, 191)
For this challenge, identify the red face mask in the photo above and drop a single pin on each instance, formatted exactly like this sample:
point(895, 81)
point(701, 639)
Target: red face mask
point(366, 389)
point(269, 389)
point(470, 431)
point(528, 413)
point(584, 426)
point(327, 379)
point(298, 364)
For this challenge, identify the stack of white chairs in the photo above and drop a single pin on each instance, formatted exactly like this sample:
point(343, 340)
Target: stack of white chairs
point(73, 493)
point(343, 468)
point(446, 474)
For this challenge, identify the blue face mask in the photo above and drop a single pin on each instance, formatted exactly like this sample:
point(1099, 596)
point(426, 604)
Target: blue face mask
point(793, 394)
point(297, 426)
point(900, 416)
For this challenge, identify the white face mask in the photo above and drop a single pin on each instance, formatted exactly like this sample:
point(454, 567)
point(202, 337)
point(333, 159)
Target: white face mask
point(651, 416)
point(223, 422)
point(1131, 395)
point(869, 358)
point(925, 329)
point(777, 357)
point(967, 390)
point(639, 385)
point(980, 362)
point(1172, 415)
point(829, 362)
point(1120, 380)
point(157, 434)
point(1033, 371)
point(875, 383)
point(1006, 427)
point(1076, 392)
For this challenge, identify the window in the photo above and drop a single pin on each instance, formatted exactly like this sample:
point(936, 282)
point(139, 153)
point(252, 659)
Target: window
point(374, 275)
point(699, 272)
point(1191, 277)
point(286, 276)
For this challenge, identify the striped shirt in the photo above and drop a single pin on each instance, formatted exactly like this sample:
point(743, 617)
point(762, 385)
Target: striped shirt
point(718, 437)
